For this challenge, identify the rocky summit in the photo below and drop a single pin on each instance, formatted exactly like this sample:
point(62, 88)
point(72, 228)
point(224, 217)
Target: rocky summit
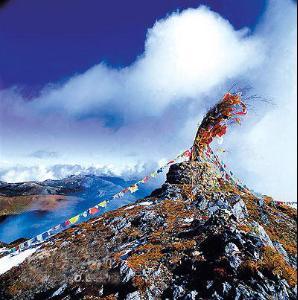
point(196, 237)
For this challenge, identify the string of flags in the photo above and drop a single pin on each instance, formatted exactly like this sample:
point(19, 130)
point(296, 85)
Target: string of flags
point(95, 209)
point(214, 125)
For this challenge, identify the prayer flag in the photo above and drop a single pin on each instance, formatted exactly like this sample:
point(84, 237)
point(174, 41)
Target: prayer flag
point(133, 188)
point(187, 153)
point(159, 171)
point(153, 174)
point(103, 204)
point(85, 214)
point(93, 210)
point(74, 219)
point(45, 235)
point(34, 240)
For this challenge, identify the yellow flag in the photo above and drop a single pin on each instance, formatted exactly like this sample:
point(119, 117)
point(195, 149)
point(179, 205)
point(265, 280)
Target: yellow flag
point(133, 188)
point(74, 219)
point(103, 204)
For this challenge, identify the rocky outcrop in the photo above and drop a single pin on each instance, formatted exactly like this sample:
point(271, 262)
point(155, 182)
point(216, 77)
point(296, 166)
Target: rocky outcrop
point(196, 237)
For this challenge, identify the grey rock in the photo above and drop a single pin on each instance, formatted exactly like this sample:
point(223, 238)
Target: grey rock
point(212, 209)
point(222, 204)
point(168, 191)
point(239, 210)
point(191, 296)
point(261, 202)
point(225, 214)
point(261, 233)
point(226, 288)
point(242, 293)
point(201, 203)
point(148, 216)
point(231, 249)
point(279, 247)
point(59, 291)
point(235, 262)
point(178, 291)
point(232, 252)
point(216, 296)
point(133, 296)
point(209, 284)
point(264, 218)
point(122, 224)
point(126, 272)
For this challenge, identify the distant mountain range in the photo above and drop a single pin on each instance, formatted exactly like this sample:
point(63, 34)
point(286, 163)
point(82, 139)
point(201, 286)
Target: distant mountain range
point(26, 208)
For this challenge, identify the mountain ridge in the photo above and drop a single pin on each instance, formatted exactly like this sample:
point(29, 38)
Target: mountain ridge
point(194, 238)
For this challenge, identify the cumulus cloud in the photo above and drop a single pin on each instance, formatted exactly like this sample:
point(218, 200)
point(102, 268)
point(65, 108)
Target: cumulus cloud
point(269, 142)
point(186, 55)
point(151, 107)
point(110, 113)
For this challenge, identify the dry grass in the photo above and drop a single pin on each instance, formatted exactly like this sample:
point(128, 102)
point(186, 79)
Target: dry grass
point(275, 263)
point(184, 245)
point(148, 256)
point(140, 283)
point(271, 262)
point(282, 221)
point(244, 227)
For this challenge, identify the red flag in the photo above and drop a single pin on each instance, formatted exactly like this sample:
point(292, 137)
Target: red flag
point(93, 210)
point(187, 153)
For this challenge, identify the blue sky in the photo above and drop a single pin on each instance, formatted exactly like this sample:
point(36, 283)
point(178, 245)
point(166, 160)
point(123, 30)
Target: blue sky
point(44, 41)
point(120, 86)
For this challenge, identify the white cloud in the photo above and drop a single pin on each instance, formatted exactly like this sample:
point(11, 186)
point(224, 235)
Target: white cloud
point(186, 54)
point(267, 153)
point(151, 107)
point(60, 171)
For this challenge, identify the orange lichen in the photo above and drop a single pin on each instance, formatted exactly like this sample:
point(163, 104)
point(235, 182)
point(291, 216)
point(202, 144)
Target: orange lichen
point(187, 189)
point(149, 256)
point(156, 237)
point(184, 245)
point(250, 267)
point(133, 232)
point(173, 211)
point(290, 248)
point(271, 262)
point(140, 283)
point(244, 227)
point(274, 262)
point(118, 255)
point(290, 211)
point(281, 225)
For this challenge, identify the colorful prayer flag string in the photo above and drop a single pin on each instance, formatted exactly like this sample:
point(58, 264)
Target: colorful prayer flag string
point(93, 210)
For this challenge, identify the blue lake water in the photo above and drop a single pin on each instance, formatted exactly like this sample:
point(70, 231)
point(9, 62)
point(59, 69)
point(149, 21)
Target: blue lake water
point(32, 223)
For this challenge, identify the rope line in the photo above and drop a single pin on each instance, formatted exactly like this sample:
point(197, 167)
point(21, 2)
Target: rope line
point(95, 210)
